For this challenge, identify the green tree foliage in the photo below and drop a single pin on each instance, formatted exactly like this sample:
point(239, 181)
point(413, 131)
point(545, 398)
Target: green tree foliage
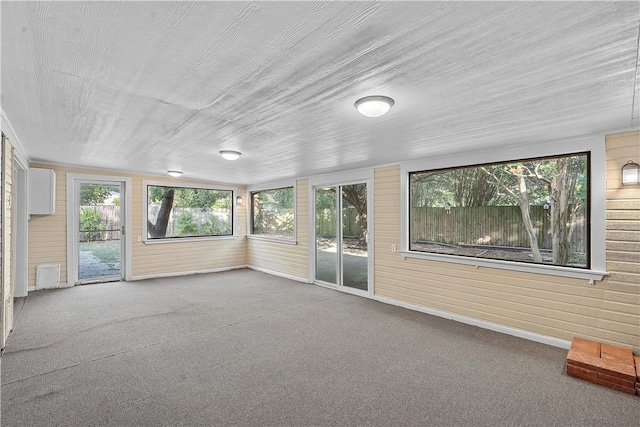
point(326, 198)
point(91, 225)
point(215, 227)
point(471, 188)
point(273, 212)
point(431, 189)
point(94, 194)
point(284, 197)
point(186, 225)
point(192, 197)
point(183, 197)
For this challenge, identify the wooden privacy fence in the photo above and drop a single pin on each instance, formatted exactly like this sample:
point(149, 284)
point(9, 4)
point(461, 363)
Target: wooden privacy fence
point(200, 217)
point(109, 228)
point(326, 222)
point(487, 225)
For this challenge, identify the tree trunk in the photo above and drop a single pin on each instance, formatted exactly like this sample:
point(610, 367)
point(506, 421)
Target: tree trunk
point(159, 229)
point(361, 222)
point(356, 195)
point(561, 189)
point(526, 219)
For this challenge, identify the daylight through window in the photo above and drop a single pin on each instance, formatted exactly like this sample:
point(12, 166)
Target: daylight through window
point(272, 213)
point(175, 212)
point(533, 210)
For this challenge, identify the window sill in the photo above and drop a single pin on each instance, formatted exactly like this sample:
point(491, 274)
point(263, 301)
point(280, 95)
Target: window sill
point(552, 270)
point(272, 239)
point(186, 239)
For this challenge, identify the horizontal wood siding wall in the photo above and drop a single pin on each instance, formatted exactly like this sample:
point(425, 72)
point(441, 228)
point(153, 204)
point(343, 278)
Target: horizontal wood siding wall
point(177, 257)
point(549, 305)
point(286, 259)
point(6, 234)
point(48, 235)
point(623, 227)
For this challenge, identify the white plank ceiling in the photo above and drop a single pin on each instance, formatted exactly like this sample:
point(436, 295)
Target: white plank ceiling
point(151, 86)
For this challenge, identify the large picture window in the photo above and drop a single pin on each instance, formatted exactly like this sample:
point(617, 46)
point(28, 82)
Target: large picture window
point(272, 213)
point(179, 212)
point(534, 210)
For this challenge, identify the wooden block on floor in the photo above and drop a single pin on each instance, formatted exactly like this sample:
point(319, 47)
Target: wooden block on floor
point(603, 364)
point(595, 378)
point(583, 353)
point(582, 373)
point(617, 369)
point(622, 355)
point(584, 348)
point(617, 380)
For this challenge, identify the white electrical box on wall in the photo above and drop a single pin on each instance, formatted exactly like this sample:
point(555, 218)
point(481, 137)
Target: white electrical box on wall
point(42, 191)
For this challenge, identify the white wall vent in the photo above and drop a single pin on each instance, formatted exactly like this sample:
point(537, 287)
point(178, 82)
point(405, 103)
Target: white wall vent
point(47, 276)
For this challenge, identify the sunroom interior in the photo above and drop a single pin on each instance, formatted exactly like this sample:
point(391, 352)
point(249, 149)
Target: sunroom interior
point(423, 207)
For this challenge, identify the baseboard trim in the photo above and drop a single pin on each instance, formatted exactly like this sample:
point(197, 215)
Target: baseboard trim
point(277, 273)
point(33, 288)
point(520, 333)
point(185, 273)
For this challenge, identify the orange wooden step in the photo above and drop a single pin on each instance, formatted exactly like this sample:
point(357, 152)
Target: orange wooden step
point(604, 364)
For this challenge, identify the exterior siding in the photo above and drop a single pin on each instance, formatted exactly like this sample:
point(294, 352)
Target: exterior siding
point(286, 259)
point(48, 235)
point(7, 240)
point(560, 307)
point(623, 229)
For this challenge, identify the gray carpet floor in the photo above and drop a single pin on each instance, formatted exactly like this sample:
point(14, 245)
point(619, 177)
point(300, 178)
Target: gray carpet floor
point(246, 348)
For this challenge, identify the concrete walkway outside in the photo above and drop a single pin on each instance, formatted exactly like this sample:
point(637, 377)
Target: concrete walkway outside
point(99, 259)
point(91, 267)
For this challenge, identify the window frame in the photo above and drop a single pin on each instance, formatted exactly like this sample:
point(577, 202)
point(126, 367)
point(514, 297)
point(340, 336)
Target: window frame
point(586, 154)
point(597, 176)
point(145, 211)
point(266, 187)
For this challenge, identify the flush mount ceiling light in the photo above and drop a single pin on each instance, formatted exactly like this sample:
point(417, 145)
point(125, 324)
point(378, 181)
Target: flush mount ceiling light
point(374, 106)
point(174, 173)
point(230, 154)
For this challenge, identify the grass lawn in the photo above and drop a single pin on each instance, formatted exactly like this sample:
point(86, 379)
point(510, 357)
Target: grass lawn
point(107, 251)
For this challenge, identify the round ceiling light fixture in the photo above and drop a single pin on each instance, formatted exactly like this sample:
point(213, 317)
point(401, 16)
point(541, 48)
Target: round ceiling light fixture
point(230, 154)
point(174, 173)
point(374, 106)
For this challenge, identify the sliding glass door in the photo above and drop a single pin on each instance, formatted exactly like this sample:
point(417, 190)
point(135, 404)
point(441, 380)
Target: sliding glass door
point(354, 236)
point(341, 236)
point(326, 235)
